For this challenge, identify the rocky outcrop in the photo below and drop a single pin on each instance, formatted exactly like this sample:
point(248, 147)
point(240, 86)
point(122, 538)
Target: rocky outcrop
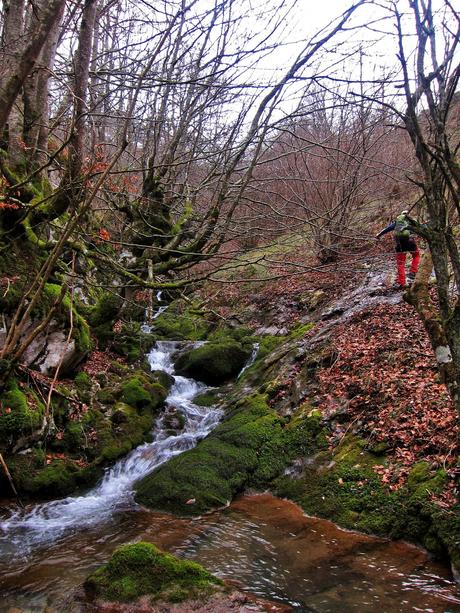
point(52, 348)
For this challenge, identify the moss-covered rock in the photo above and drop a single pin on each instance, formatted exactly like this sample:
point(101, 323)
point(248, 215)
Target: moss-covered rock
point(36, 476)
point(20, 412)
point(102, 316)
point(345, 488)
point(163, 378)
point(140, 569)
point(86, 437)
point(140, 393)
point(178, 323)
point(207, 399)
point(249, 449)
point(83, 381)
point(214, 363)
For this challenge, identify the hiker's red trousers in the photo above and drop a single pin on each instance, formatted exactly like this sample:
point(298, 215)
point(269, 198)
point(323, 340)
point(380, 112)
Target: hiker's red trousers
point(401, 263)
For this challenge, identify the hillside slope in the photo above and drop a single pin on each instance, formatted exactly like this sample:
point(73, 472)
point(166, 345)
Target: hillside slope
point(342, 412)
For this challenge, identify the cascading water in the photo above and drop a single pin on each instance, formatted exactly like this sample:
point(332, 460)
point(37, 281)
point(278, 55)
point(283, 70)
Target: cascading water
point(45, 523)
point(252, 359)
point(146, 328)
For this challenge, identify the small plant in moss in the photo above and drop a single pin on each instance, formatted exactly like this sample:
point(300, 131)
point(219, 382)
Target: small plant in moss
point(141, 569)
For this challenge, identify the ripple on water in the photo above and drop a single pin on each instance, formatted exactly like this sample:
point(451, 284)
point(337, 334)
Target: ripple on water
point(267, 545)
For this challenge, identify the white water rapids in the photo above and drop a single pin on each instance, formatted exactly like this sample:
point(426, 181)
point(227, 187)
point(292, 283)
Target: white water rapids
point(44, 523)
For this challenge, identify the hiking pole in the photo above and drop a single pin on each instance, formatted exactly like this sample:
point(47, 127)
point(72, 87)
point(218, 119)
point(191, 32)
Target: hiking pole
point(10, 479)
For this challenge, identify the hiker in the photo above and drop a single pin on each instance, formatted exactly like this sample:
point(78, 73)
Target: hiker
point(404, 243)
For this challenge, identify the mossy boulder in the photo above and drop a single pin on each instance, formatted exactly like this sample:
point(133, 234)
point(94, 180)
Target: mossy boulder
point(141, 569)
point(83, 381)
point(36, 478)
point(214, 363)
point(163, 378)
point(140, 393)
point(249, 449)
point(207, 399)
point(85, 439)
point(180, 324)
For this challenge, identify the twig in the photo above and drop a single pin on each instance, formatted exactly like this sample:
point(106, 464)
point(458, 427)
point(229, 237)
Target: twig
point(39, 379)
point(10, 479)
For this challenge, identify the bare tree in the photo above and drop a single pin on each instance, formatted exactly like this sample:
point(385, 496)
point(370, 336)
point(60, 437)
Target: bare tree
point(431, 99)
point(182, 82)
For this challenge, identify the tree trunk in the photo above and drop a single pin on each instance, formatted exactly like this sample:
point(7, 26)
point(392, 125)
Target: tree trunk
point(20, 66)
point(13, 37)
point(419, 297)
point(36, 95)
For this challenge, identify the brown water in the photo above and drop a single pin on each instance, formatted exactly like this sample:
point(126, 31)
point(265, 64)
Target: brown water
point(264, 543)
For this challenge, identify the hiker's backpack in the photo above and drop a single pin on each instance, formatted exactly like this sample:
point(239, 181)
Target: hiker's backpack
point(402, 227)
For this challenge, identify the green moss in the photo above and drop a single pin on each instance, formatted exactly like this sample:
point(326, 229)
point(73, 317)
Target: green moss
point(20, 412)
point(74, 437)
point(39, 457)
point(126, 430)
point(107, 396)
point(58, 478)
point(142, 569)
point(267, 344)
point(300, 330)
point(345, 489)
point(83, 381)
point(214, 363)
point(249, 449)
point(141, 394)
point(130, 342)
point(135, 394)
point(175, 324)
point(163, 378)
point(208, 399)
point(223, 335)
point(81, 334)
point(102, 316)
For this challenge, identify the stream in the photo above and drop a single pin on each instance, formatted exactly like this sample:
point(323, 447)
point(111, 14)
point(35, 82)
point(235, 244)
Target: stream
point(265, 544)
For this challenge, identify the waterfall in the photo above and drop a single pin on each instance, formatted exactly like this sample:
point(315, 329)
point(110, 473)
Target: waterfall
point(45, 523)
point(146, 328)
point(252, 358)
